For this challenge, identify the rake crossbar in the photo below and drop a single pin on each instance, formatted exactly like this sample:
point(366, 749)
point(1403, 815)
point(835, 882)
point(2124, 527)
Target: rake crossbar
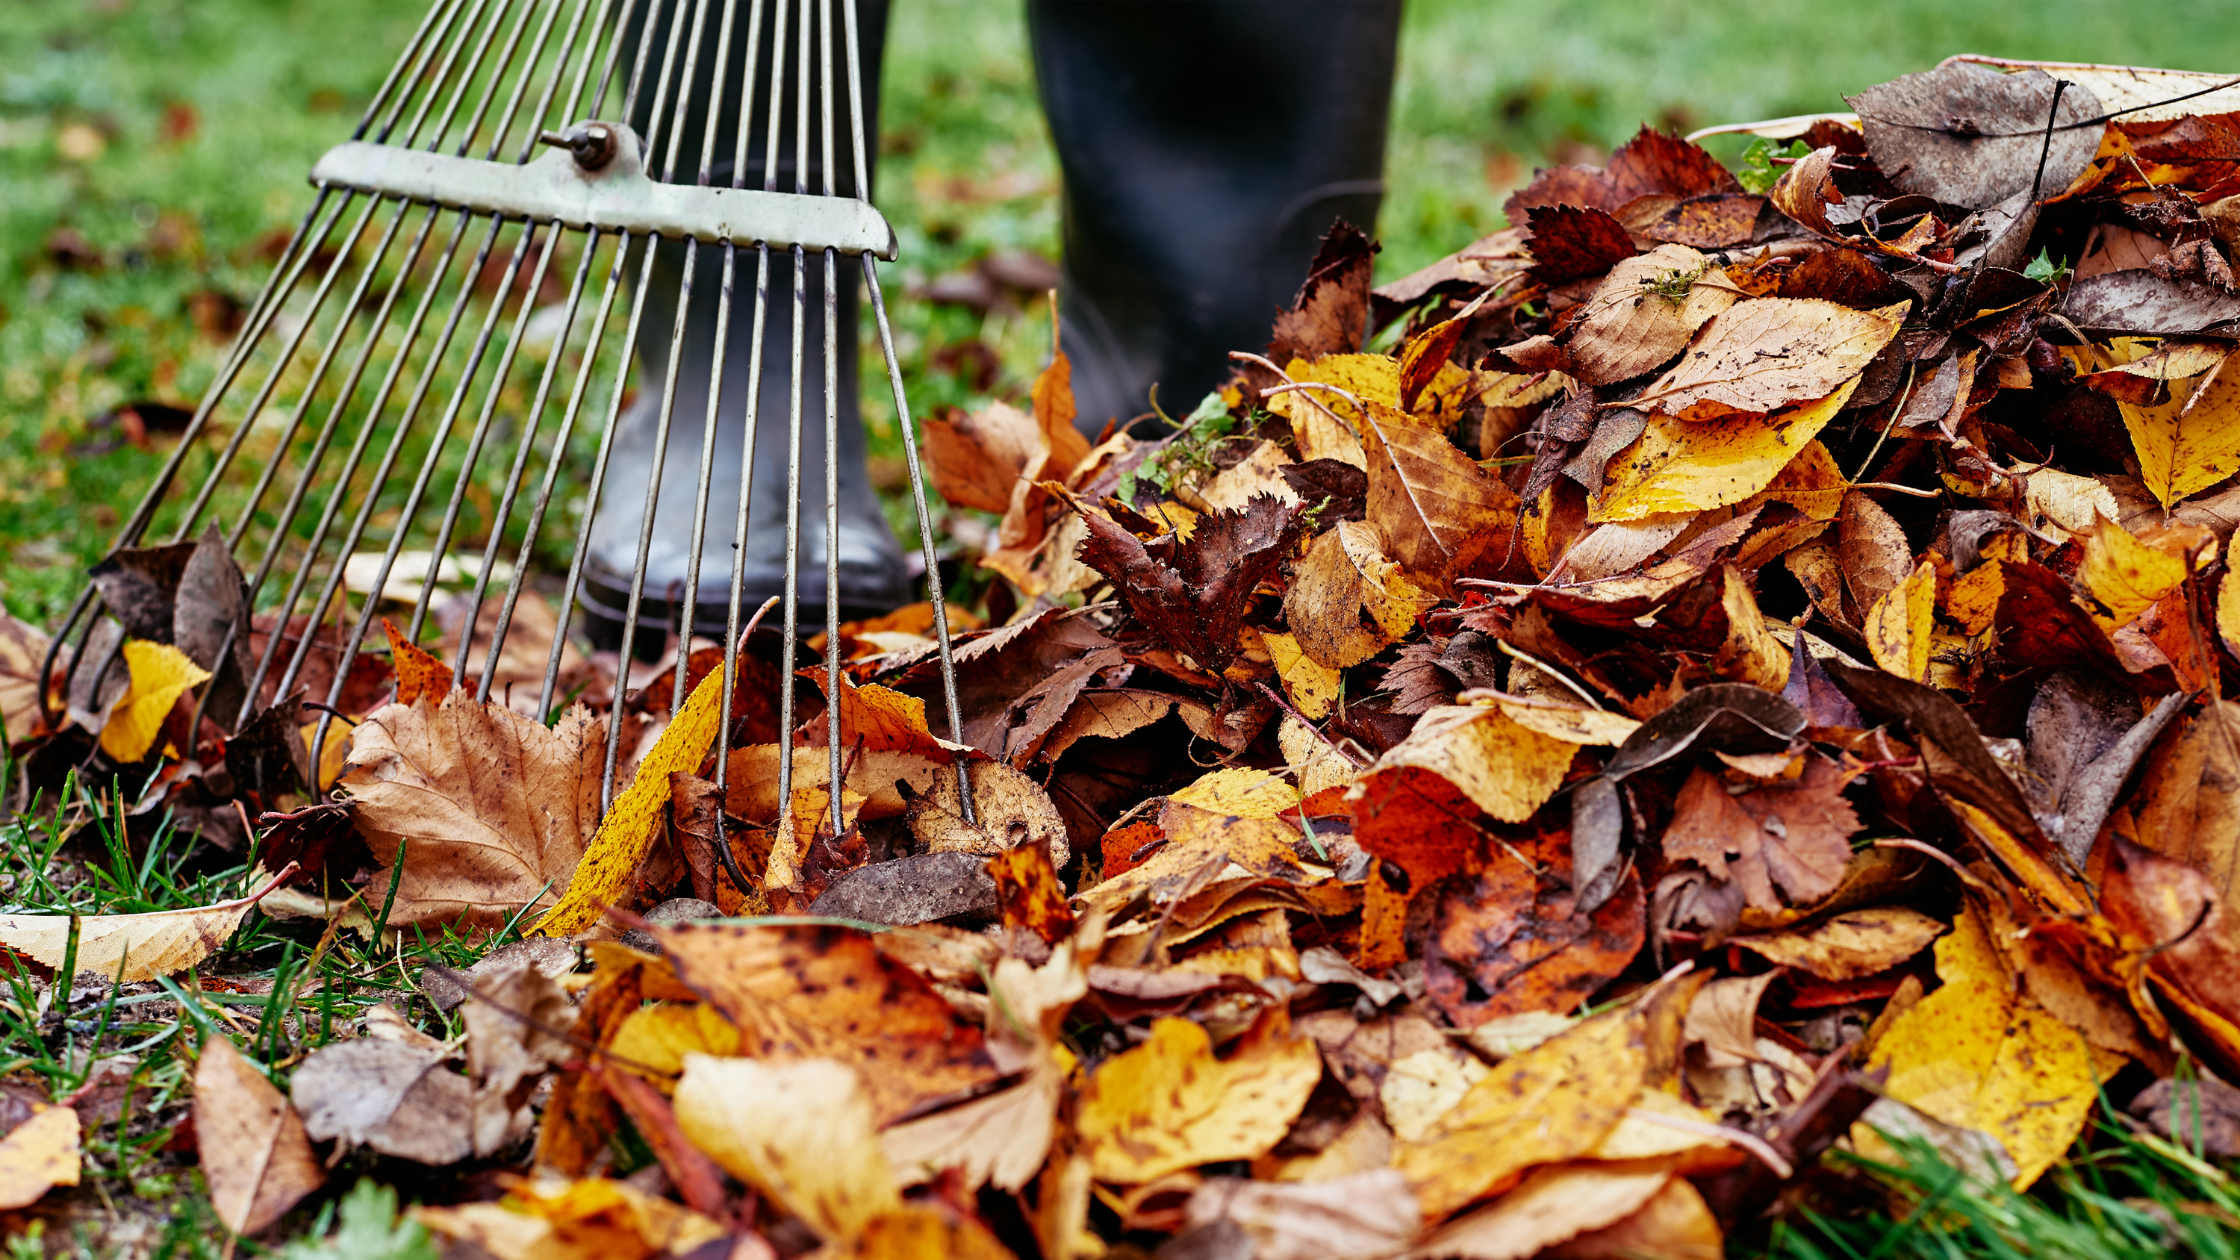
point(613, 196)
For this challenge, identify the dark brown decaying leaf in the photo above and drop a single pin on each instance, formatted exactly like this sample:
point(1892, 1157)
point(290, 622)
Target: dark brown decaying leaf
point(1971, 136)
point(2143, 304)
point(1192, 595)
point(1573, 242)
point(1331, 313)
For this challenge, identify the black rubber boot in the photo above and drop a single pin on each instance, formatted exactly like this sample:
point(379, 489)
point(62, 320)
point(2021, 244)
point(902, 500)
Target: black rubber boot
point(1207, 145)
point(873, 576)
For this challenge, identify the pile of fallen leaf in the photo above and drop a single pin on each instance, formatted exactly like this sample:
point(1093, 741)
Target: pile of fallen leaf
point(1746, 678)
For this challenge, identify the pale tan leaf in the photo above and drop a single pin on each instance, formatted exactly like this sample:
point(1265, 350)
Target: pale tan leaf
point(251, 1143)
point(494, 810)
point(1358, 1217)
point(1646, 311)
point(38, 1155)
point(1767, 353)
point(22, 649)
point(800, 1132)
point(1553, 1205)
point(129, 947)
point(1850, 944)
point(999, 1139)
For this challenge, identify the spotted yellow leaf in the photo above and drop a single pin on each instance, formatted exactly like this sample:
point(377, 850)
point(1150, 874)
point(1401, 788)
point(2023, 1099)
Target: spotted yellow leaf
point(1900, 625)
point(635, 817)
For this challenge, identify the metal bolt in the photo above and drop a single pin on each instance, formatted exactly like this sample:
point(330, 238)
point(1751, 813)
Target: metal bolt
point(592, 144)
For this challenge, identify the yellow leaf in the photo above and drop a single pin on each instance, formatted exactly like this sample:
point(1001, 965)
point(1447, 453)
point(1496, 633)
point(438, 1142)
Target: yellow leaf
point(1750, 654)
point(1899, 624)
point(129, 947)
point(1509, 770)
point(2228, 602)
point(333, 754)
point(800, 1132)
point(1312, 685)
point(1348, 600)
point(1979, 1054)
point(1812, 484)
point(2122, 577)
point(161, 674)
point(1687, 466)
point(39, 1155)
point(1551, 1103)
point(1324, 424)
point(919, 1231)
point(595, 1218)
point(2065, 505)
point(1240, 793)
point(634, 820)
point(659, 1037)
point(1169, 1104)
point(1849, 945)
point(1974, 598)
point(2191, 442)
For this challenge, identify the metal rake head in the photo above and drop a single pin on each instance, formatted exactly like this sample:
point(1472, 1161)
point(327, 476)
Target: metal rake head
point(379, 368)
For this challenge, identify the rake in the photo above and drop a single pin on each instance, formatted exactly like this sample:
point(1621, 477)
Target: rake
point(493, 129)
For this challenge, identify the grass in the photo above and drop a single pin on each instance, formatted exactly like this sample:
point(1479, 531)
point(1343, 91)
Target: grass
point(149, 149)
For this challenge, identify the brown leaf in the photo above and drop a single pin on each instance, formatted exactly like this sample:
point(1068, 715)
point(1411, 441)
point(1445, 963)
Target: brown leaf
point(1574, 242)
point(1439, 514)
point(1766, 353)
point(493, 809)
point(1192, 595)
point(1331, 313)
point(252, 1147)
point(1346, 600)
point(1794, 833)
point(807, 992)
point(1969, 135)
point(22, 708)
point(1849, 944)
point(1511, 939)
point(1646, 312)
point(1651, 162)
